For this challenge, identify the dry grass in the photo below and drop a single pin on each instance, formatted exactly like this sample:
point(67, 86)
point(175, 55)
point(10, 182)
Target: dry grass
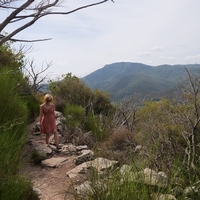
point(120, 146)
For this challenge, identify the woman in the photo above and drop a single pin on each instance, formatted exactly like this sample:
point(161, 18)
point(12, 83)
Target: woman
point(47, 119)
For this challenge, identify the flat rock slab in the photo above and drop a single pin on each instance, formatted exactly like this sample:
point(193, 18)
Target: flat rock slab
point(54, 162)
point(80, 169)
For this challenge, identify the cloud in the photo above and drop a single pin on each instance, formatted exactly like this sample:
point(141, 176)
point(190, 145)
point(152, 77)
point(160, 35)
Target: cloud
point(193, 58)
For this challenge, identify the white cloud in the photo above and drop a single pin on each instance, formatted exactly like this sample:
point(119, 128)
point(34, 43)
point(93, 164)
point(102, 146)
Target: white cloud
point(193, 59)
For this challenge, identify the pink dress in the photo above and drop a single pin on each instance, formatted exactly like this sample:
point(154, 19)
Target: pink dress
point(48, 124)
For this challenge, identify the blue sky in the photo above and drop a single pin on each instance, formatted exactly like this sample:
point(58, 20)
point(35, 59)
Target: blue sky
point(152, 32)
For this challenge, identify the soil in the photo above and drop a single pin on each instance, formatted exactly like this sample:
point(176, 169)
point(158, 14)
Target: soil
point(51, 183)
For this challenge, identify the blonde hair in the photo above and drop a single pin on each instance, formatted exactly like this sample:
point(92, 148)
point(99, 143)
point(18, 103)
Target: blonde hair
point(48, 97)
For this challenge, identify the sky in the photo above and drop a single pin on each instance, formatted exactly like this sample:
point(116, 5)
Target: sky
point(152, 32)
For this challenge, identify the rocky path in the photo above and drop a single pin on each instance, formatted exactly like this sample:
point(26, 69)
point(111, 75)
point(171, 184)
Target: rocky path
point(51, 183)
point(61, 172)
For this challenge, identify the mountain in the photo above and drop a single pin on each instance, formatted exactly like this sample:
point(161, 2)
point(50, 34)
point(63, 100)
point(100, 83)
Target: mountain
point(125, 79)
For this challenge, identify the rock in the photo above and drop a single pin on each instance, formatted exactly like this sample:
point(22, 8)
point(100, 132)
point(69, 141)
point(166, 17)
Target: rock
point(191, 191)
point(36, 133)
point(69, 149)
point(81, 147)
point(138, 148)
point(84, 188)
point(54, 162)
point(37, 191)
point(177, 190)
point(150, 177)
point(85, 156)
point(40, 152)
point(164, 197)
point(80, 169)
point(101, 164)
point(125, 170)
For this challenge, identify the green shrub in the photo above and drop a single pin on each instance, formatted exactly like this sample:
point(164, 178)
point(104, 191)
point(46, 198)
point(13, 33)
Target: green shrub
point(11, 142)
point(94, 125)
point(17, 188)
point(32, 105)
point(74, 115)
point(36, 157)
point(13, 124)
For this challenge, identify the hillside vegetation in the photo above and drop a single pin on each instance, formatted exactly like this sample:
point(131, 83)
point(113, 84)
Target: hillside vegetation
point(124, 79)
point(161, 135)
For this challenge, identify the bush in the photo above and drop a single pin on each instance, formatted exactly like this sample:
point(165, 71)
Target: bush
point(121, 138)
point(13, 123)
point(94, 125)
point(17, 188)
point(74, 115)
point(119, 145)
point(36, 157)
point(33, 107)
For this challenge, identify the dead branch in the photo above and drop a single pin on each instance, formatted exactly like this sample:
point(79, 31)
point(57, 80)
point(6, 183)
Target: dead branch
point(29, 12)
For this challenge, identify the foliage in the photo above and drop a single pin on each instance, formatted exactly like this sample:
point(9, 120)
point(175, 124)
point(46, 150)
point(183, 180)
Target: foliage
point(32, 105)
point(121, 139)
point(17, 188)
point(74, 115)
point(93, 123)
point(158, 130)
point(13, 124)
point(125, 79)
point(37, 157)
point(71, 90)
point(119, 145)
point(101, 103)
point(82, 107)
point(9, 58)
point(115, 186)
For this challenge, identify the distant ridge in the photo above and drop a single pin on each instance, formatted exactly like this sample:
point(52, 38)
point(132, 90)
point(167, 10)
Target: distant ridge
point(125, 79)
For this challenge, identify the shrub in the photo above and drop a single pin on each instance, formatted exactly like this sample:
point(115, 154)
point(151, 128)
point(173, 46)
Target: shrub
point(93, 124)
point(74, 116)
point(121, 138)
point(13, 123)
point(36, 157)
point(32, 105)
point(119, 145)
point(17, 188)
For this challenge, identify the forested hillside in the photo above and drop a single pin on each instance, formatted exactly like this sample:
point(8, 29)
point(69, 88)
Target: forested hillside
point(125, 79)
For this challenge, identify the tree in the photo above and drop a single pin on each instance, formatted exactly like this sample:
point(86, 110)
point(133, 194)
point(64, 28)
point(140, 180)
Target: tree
point(70, 90)
point(192, 118)
point(35, 77)
point(28, 12)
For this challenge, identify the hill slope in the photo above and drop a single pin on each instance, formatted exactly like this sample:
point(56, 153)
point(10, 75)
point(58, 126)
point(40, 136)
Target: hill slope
point(125, 79)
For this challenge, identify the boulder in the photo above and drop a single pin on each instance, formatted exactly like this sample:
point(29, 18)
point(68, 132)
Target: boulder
point(54, 162)
point(86, 155)
point(150, 177)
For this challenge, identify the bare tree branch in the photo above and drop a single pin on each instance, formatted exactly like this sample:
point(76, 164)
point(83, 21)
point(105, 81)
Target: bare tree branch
point(35, 77)
point(29, 12)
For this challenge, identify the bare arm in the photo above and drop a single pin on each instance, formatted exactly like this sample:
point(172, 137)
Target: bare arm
point(41, 114)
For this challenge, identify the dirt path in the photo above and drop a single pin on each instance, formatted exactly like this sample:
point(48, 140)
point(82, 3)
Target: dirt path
point(51, 183)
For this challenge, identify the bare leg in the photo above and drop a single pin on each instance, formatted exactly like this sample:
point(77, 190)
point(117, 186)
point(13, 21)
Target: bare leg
point(47, 138)
point(56, 138)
